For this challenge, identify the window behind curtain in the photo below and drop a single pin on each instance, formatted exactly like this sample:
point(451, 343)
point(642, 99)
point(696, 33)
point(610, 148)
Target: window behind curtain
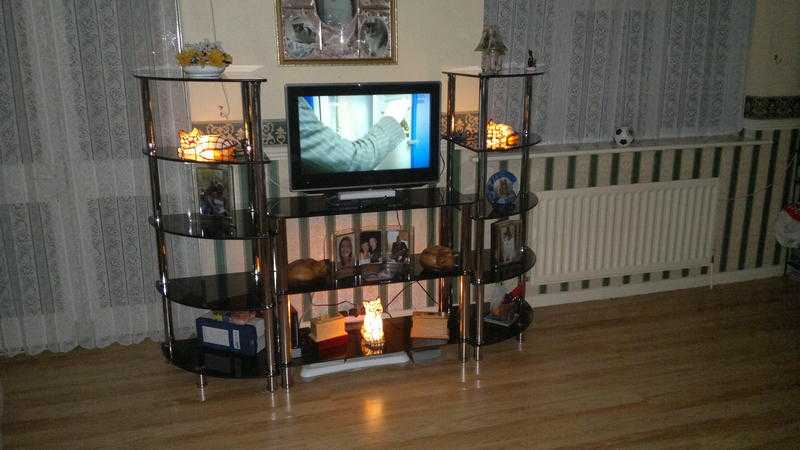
point(663, 67)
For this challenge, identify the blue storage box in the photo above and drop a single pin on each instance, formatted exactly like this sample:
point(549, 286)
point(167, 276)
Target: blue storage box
point(247, 339)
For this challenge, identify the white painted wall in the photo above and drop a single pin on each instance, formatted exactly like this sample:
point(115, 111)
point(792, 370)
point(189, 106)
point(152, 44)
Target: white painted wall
point(431, 35)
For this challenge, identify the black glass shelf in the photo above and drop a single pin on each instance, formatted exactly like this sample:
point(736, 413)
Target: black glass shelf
point(240, 224)
point(515, 72)
point(494, 333)
point(190, 356)
point(496, 274)
point(397, 338)
point(486, 210)
point(365, 276)
point(176, 74)
point(223, 292)
point(171, 153)
point(471, 143)
point(318, 205)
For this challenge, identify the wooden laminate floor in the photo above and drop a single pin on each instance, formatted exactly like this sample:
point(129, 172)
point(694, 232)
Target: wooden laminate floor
point(692, 369)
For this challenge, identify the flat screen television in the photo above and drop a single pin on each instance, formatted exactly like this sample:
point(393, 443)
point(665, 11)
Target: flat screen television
point(362, 135)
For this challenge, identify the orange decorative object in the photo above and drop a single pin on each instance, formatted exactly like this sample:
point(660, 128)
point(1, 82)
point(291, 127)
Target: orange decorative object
point(204, 147)
point(500, 136)
point(372, 329)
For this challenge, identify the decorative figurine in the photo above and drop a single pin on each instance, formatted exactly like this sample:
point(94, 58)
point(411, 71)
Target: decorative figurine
point(500, 136)
point(492, 49)
point(501, 189)
point(531, 60)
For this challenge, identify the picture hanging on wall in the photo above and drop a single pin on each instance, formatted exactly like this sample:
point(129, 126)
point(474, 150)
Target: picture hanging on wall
point(336, 31)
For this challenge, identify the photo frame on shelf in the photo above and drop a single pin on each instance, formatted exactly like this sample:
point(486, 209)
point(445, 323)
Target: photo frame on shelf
point(214, 193)
point(336, 31)
point(399, 244)
point(370, 247)
point(375, 253)
point(507, 242)
point(343, 254)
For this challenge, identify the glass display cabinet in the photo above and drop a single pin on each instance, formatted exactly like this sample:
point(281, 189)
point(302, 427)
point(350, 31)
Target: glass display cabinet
point(265, 288)
point(485, 268)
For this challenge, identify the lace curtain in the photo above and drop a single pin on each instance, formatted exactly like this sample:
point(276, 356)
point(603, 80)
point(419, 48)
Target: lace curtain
point(77, 256)
point(663, 67)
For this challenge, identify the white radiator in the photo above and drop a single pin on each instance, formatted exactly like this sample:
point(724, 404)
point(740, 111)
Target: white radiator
point(582, 234)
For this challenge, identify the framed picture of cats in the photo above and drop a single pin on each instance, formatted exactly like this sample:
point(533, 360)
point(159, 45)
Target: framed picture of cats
point(336, 31)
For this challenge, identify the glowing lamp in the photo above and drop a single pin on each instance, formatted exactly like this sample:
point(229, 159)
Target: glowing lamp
point(500, 136)
point(372, 338)
point(204, 147)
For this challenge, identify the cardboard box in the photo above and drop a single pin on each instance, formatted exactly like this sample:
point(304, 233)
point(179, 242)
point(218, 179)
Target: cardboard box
point(324, 328)
point(429, 325)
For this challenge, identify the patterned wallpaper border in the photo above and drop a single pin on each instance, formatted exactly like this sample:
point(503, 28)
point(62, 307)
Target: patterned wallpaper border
point(274, 134)
point(770, 108)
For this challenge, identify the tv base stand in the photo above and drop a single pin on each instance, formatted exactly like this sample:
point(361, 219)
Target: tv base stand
point(369, 194)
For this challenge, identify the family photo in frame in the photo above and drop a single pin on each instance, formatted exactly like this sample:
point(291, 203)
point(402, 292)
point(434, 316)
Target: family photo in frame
point(376, 253)
point(336, 31)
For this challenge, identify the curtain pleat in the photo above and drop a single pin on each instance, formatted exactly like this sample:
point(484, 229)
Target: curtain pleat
point(78, 257)
point(666, 68)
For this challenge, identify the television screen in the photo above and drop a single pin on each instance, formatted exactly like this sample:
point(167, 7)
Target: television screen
point(363, 135)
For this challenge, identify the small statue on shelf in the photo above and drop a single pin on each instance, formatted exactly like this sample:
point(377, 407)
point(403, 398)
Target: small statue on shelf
point(492, 50)
point(531, 60)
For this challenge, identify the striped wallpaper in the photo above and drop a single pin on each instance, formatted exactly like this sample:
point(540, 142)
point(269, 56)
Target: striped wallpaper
point(752, 186)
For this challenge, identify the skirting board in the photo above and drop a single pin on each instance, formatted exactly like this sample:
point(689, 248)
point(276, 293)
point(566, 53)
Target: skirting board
point(586, 295)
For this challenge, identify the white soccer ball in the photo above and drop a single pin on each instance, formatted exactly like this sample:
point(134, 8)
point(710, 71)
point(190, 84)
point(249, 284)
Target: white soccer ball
point(623, 136)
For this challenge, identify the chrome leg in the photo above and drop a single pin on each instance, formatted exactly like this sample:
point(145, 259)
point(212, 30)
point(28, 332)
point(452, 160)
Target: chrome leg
point(463, 320)
point(202, 380)
point(155, 196)
point(269, 347)
point(464, 283)
point(284, 307)
point(447, 214)
point(480, 182)
point(262, 248)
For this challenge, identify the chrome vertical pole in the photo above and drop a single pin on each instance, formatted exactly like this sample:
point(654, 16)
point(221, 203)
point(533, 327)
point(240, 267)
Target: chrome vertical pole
point(449, 125)
point(284, 308)
point(155, 193)
point(258, 206)
point(446, 214)
point(525, 197)
point(525, 169)
point(480, 182)
point(464, 283)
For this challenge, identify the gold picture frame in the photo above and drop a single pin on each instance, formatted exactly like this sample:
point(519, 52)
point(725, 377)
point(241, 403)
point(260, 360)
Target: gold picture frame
point(336, 32)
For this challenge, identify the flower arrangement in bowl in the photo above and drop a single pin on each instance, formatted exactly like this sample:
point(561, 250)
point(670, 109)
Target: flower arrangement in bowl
point(204, 59)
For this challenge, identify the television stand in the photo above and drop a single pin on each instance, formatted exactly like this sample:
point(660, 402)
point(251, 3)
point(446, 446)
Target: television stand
point(358, 200)
point(369, 194)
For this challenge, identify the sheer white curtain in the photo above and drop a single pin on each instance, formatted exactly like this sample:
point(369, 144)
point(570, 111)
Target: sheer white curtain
point(663, 67)
point(77, 257)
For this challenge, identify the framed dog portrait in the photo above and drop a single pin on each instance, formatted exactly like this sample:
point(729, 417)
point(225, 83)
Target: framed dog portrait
point(336, 31)
point(507, 242)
